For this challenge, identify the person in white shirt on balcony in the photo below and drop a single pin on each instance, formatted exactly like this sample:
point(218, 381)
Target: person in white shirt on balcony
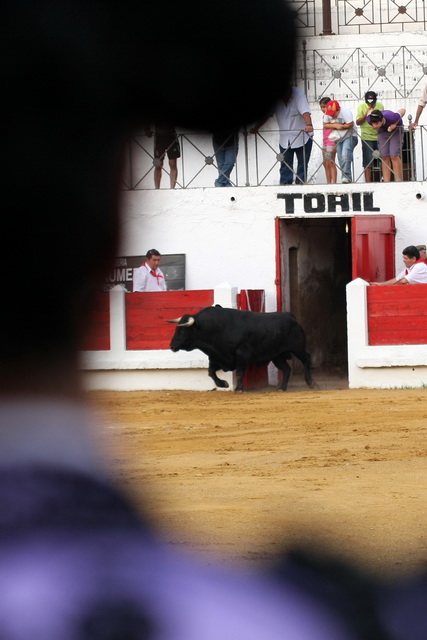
point(293, 117)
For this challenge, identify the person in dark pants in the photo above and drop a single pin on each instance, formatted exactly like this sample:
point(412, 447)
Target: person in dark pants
point(368, 134)
point(389, 125)
point(165, 144)
point(226, 146)
point(293, 117)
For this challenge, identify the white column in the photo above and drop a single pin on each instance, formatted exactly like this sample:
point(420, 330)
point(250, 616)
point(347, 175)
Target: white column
point(117, 319)
point(225, 295)
point(357, 327)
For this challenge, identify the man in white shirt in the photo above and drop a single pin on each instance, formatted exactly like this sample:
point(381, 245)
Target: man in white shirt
point(341, 119)
point(149, 277)
point(293, 117)
point(415, 271)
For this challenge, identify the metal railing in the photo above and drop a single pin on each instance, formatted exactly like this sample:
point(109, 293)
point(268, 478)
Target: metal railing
point(396, 73)
point(258, 161)
point(321, 17)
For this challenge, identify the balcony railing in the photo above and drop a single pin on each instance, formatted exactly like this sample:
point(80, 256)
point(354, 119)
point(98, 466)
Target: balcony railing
point(258, 161)
point(322, 17)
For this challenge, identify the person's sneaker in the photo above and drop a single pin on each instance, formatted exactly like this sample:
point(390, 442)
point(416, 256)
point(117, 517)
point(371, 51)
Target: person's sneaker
point(345, 180)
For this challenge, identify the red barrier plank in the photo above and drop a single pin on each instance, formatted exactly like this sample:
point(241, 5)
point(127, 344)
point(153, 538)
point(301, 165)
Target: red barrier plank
point(146, 315)
point(97, 335)
point(253, 300)
point(394, 338)
point(397, 314)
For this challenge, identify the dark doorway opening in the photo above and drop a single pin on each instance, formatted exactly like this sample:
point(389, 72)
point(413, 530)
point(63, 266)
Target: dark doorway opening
point(316, 266)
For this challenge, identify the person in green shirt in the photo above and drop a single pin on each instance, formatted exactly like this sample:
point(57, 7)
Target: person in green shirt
point(368, 134)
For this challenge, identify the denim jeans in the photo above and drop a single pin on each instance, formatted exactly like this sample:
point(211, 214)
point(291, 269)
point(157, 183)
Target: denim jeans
point(345, 156)
point(286, 167)
point(225, 156)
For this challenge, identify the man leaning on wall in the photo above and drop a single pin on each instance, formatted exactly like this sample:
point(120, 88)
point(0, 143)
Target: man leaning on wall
point(415, 271)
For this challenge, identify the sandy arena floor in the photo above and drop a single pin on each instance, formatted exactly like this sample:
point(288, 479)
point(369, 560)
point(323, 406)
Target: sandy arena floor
point(241, 476)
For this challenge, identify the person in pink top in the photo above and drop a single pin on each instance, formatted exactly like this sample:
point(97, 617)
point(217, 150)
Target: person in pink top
point(329, 150)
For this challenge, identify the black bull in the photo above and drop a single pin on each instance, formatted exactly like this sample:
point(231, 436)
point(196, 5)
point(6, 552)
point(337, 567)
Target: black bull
point(234, 339)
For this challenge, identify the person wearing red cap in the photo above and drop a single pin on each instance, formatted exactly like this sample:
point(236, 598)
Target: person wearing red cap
point(329, 149)
point(368, 134)
point(341, 119)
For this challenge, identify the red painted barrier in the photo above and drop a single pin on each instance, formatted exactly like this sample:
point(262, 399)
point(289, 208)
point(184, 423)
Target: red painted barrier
point(146, 315)
point(397, 314)
point(253, 300)
point(97, 337)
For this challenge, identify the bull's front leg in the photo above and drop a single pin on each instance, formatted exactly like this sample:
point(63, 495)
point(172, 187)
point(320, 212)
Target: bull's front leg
point(213, 368)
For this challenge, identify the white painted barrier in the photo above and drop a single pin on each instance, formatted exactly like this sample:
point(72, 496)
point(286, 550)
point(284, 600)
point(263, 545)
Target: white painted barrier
point(121, 370)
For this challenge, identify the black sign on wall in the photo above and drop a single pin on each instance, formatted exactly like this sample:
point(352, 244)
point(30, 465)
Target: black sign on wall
point(172, 265)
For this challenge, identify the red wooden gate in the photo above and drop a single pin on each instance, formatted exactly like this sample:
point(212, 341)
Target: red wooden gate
point(372, 247)
point(253, 300)
point(97, 335)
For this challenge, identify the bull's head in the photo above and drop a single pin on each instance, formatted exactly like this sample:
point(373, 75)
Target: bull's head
point(182, 338)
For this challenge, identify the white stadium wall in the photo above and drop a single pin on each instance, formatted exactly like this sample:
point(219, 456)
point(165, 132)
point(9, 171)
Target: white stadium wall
point(228, 235)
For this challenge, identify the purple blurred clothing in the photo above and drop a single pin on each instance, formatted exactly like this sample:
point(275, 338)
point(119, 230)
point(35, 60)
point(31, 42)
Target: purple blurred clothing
point(78, 563)
point(75, 559)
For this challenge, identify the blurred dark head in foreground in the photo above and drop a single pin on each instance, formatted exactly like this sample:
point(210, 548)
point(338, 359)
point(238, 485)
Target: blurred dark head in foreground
point(78, 77)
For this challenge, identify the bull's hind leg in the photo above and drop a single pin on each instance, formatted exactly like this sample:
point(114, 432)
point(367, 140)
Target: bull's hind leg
point(305, 358)
point(240, 372)
point(213, 368)
point(282, 364)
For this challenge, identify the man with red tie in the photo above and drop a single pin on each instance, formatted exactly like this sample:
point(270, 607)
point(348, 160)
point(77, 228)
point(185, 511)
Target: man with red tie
point(148, 277)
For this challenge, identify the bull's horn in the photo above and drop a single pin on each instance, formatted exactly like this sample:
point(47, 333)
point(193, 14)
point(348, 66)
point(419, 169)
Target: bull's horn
point(189, 322)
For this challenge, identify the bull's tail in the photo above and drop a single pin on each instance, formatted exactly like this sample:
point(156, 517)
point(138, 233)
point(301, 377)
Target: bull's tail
point(307, 370)
point(301, 353)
